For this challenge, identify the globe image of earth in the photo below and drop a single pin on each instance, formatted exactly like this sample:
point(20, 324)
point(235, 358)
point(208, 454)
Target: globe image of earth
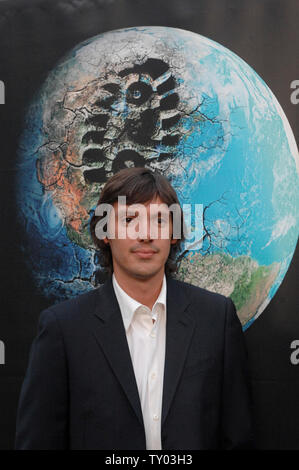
point(177, 102)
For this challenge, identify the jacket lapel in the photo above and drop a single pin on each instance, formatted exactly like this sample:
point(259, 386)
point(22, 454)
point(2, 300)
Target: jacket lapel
point(179, 331)
point(110, 334)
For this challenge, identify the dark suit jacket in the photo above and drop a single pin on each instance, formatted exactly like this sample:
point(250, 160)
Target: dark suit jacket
point(80, 392)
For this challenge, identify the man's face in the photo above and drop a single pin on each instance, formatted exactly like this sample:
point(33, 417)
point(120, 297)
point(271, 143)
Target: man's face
point(142, 239)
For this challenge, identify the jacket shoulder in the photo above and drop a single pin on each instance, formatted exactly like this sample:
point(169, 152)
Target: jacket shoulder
point(196, 292)
point(76, 306)
point(204, 306)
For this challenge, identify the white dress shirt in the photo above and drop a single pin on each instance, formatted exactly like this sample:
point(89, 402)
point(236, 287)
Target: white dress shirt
point(146, 340)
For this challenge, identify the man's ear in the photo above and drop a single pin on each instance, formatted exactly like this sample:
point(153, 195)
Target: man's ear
point(106, 241)
point(173, 241)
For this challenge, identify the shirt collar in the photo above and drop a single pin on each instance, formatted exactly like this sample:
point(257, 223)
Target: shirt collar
point(128, 305)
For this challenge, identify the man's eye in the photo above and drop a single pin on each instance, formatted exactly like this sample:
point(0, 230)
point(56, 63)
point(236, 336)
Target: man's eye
point(128, 219)
point(161, 221)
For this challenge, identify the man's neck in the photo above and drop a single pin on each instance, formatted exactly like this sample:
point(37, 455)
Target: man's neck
point(145, 291)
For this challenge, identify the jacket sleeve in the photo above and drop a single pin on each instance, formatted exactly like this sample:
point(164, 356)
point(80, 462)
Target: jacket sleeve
point(43, 402)
point(236, 410)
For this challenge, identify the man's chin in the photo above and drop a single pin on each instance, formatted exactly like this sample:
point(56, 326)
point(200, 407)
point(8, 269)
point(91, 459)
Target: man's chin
point(143, 273)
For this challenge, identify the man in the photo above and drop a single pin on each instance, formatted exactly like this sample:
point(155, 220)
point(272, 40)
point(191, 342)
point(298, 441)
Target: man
point(144, 361)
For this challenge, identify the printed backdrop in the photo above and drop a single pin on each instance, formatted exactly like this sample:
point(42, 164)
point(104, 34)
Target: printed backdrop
point(205, 93)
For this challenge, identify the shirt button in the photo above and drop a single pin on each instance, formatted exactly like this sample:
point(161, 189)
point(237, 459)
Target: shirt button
point(153, 335)
point(153, 375)
point(156, 417)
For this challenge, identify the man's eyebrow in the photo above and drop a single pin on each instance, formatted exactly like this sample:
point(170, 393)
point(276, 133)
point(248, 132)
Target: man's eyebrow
point(161, 214)
point(163, 211)
point(153, 210)
point(121, 211)
point(124, 210)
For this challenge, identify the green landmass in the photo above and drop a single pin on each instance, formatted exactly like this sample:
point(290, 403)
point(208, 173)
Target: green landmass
point(247, 284)
point(242, 279)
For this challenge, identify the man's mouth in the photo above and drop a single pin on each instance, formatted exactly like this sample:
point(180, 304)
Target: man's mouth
point(145, 253)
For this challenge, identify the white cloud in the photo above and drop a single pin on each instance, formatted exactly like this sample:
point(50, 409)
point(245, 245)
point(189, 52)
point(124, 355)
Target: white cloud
point(281, 228)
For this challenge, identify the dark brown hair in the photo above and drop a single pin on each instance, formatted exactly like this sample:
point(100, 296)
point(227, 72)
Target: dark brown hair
point(139, 185)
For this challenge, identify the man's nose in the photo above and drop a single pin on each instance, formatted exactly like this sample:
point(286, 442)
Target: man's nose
point(145, 230)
